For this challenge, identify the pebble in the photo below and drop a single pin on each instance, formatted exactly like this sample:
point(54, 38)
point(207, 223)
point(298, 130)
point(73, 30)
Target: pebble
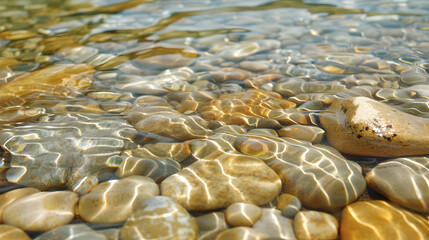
point(242, 214)
point(275, 224)
point(216, 183)
point(8, 232)
point(178, 151)
point(242, 233)
point(315, 225)
point(362, 126)
point(312, 134)
point(111, 201)
point(13, 195)
point(41, 212)
point(73, 232)
point(242, 50)
point(295, 86)
point(159, 218)
point(403, 181)
point(379, 219)
point(210, 225)
point(288, 204)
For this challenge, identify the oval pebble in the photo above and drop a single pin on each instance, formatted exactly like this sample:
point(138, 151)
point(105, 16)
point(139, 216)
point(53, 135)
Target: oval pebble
point(315, 225)
point(288, 204)
point(242, 214)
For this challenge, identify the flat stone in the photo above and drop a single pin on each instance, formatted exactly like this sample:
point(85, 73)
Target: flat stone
point(404, 181)
point(242, 233)
point(381, 220)
point(315, 225)
point(8, 232)
point(275, 224)
point(316, 174)
point(41, 212)
point(159, 218)
point(220, 181)
point(210, 225)
point(362, 126)
point(111, 201)
point(242, 214)
point(13, 195)
point(307, 133)
point(288, 204)
point(72, 232)
point(71, 149)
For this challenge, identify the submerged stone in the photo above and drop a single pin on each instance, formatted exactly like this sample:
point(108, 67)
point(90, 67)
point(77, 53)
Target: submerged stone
point(72, 232)
point(210, 225)
point(315, 225)
point(8, 232)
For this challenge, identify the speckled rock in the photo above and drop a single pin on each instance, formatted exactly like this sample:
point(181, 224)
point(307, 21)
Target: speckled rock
point(159, 218)
point(112, 201)
point(218, 182)
point(13, 195)
point(210, 225)
point(315, 225)
point(8, 232)
point(72, 232)
point(66, 149)
point(242, 233)
point(242, 214)
point(288, 204)
point(381, 220)
point(307, 133)
point(362, 126)
point(275, 224)
point(41, 211)
point(403, 181)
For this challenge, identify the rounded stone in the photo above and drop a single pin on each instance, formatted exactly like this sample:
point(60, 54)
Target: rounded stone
point(159, 218)
point(8, 232)
point(210, 225)
point(242, 233)
point(41, 212)
point(315, 225)
point(72, 232)
point(111, 201)
point(11, 196)
point(307, 133)
point(242, 214)
point(288, 204)
point(381, 220)
point(275, 224)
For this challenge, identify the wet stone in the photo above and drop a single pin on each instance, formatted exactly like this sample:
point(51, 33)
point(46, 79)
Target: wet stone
point(242, 233)
point(72, 232)
point(362, 126)
point(19, 113)
point(67, 149)
point(210, 225)
point(381, 220)
point(312, 134)
point(288, 204)
point(111, 201)
point(8, 232)
point(275, 224)
point(315, 225)
point(242, 214)
point(110, 234)
point(159, 218)
point(178, 151)
point(294, 87)
point(224, 179)
point(403, 181)
point(244, 49)
point(13, 195)
point(41, 211)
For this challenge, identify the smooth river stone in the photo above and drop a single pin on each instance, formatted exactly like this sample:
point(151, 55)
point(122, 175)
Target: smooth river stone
point(275, 224)
point(404, 181)
point(8, 232)
point(307, 133)
point(288, 204)
point(72, 232)
point(210, 225)
point(11, 196)
point(53, 80)
point(381, 220)
point(294, 87)
point(167, 122)
point(41, 212)
point(242, 214)
point(362, 126)
point(316, 174)
point(242, 50)
point(111, 201)
point(315, 225)
point(242, 233)
point(216, 183)
point(178, 151)
point(159, 218)
point(72, 149)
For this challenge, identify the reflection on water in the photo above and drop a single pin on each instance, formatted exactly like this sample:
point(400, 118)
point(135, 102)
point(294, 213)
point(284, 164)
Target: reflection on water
point(215, 105)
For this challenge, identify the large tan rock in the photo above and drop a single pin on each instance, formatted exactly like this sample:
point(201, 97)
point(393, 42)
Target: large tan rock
point(211, 184)
point(8, 232)
point(362, 126)
point(11, 196)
